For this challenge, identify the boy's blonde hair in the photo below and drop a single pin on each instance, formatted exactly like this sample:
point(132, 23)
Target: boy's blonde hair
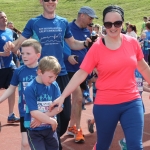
point(33, 43)
point(49, 63)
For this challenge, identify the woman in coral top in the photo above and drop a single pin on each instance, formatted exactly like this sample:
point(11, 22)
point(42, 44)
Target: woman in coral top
point(116, 56)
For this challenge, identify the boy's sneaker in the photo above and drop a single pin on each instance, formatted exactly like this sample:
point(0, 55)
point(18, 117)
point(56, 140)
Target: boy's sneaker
point(122, 144)
point(90, 126)
point(13, 119)
point(79, 138)
point(72, 130)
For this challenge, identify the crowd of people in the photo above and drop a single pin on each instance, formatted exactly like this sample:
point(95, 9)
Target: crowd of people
point(61, 62)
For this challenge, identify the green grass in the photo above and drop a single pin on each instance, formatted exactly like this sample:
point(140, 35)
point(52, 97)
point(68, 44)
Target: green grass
point(20, 11)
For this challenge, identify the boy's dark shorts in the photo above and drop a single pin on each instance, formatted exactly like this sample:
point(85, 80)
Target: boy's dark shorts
point(45, 139)
point(5, 77)
point(22, 128)
point(83, 85)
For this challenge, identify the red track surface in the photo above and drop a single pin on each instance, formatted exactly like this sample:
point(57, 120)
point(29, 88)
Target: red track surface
point(10, 133)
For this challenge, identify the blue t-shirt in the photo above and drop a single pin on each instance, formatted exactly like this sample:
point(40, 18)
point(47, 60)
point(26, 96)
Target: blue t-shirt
point(5, 36)
point(39, 97)
point(79, 34)
point(148, 37)
point(22, 76)
point(50, 33)
point(145, 47)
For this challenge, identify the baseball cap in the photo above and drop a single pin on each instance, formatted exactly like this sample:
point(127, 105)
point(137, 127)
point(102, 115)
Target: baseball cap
point(89, 11)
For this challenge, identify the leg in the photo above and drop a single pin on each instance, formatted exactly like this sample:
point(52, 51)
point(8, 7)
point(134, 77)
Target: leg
point(63, 118)
point(11, 103)
point(65, 114)
point(51, 140)
point(106, 119)
point(24, 140)
point(11, 100)
point(76, 108)
point(91, 125)
point(36, 140)
point(132, 121)
point(76, 116)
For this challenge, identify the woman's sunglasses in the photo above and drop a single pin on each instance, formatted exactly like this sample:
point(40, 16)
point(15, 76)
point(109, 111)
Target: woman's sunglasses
point(117, 24)
point(49, 0)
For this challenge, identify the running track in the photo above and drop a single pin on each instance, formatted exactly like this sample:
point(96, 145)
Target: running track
point(10, 133)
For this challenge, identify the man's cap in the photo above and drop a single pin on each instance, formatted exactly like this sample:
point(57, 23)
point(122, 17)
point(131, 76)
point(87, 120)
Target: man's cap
point(88, 10)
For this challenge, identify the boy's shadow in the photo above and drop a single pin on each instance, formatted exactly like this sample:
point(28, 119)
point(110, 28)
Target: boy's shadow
point(7, 125)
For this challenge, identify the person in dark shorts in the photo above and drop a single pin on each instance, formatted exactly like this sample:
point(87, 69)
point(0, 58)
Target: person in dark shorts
point(7, 65)
point(39, 94)
point(31, 50)
point(79, 30)
point(16, 56)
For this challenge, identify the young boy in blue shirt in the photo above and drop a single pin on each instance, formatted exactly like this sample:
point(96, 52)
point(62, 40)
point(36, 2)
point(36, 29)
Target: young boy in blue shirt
point(31, 50)
point(39, 94)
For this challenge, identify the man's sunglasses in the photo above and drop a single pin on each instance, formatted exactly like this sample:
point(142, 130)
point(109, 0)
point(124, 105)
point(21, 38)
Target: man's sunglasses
point(117, 24)
point(49, 0)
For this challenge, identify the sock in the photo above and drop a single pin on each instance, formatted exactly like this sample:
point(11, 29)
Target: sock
point(10, 114)
point(124, 140)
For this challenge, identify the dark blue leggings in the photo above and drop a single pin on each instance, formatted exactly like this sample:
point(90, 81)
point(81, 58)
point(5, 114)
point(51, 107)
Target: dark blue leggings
point(131, 117)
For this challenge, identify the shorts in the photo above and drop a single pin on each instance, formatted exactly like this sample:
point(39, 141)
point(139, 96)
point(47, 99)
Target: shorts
point(83, 85)
point(22, 128)
point(5, 77)
point(43, 139)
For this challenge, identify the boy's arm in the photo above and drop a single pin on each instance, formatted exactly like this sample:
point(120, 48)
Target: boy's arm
point(15, 45)
point(36, 123)
point(42, 117)
point(7, 93)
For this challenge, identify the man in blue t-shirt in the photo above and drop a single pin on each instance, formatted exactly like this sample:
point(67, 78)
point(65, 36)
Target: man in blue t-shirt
point(51, 30)
point(80, 32)
point(7, 65)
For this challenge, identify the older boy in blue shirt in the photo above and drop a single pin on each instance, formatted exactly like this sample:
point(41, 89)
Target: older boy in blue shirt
point(31, 50)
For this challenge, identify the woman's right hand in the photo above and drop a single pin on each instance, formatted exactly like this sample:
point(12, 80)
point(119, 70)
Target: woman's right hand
point(58, 102)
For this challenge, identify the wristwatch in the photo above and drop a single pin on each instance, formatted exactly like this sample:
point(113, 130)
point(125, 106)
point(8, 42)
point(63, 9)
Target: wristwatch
point(85, 45)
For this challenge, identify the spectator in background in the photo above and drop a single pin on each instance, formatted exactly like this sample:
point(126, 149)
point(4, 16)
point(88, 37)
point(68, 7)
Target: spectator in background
point(126, 25)
point(16, 55)
point(144, 45)
point(132, 31)
point(98, 29)
point(145, 19)
point(104, 30)
point(90, 27)
point(148, 38)
point(10, 25)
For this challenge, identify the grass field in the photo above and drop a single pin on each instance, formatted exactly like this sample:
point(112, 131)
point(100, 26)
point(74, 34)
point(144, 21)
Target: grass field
point(19, 11)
